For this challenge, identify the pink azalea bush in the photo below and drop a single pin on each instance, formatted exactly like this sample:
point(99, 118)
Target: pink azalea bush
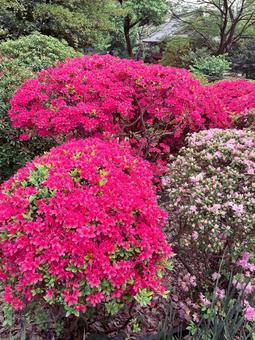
point(211, 191)
point(238, 100)
point(227, 306)
point(244, 282)
point(231, 302)
point(79, 226)
point(210, 198)
point(152, 105)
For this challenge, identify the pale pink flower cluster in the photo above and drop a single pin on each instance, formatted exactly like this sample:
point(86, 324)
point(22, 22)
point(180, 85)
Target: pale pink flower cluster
point(245, 262)
point(186, 281)
point(216, 276)
point(238, 209)
point(219, 293)
point(250, 313)
point(204, 300)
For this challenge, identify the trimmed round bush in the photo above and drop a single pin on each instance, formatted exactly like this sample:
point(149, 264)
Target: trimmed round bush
point(152, 105)
point(81, 226)
point(37, 51)
point(211, 195)
point(19, 60)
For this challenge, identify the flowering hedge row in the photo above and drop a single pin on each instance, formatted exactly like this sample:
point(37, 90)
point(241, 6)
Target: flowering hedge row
point(154, 106)
point(81, 225)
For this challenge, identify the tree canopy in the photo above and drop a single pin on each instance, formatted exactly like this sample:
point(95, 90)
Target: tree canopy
point(140, 13)
point(82, 23)
point(220, 24)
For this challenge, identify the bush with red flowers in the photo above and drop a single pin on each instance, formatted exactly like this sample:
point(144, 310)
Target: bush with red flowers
point(81, 225)
point(238, 100)
point(154, 106)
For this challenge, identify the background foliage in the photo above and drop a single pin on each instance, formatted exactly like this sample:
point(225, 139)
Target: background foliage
point(19, 60)
point(82, 23)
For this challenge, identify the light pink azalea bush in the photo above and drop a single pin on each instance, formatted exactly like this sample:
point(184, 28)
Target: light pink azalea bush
point(210, 198)
point(211, 192)
point(81, 226)
point(227, 306)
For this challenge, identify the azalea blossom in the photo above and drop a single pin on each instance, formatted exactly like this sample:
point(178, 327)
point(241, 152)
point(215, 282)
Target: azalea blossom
point(85, 218)
point(249, 313)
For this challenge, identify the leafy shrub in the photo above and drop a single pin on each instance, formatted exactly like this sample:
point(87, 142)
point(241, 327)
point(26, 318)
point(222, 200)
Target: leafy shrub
point(19, 60)
point(201, 78)
point(211, 66)
point(154, 106)
point(13, 74)
point(210, 200)
point(36, 51)
point(198, 54)
point(81, 225)
point(238, 100)
point(244, 60)
point(174, 51)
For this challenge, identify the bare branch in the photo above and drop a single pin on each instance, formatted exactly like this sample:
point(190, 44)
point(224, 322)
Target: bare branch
point(193, 28)
point(232, 17)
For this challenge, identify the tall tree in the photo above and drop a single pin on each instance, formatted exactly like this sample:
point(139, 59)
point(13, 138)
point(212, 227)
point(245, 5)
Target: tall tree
point(82, 23)
point(139, 13)
point(231, 21)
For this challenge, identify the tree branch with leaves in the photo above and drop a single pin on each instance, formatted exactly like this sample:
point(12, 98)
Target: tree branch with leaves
point(231, 18)
point(140, 13)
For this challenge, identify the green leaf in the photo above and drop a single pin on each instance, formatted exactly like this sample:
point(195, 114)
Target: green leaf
point(113, 307)
point(8, 315)
point(144, 296)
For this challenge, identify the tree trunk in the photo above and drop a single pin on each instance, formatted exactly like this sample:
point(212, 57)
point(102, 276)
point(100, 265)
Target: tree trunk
point(127, 26)
point(221, 47)
point(227, 40)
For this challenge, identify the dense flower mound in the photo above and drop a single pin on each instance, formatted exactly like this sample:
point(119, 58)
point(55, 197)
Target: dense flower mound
point(153, 105)
point(237, 96)
point(81, 225)
point(210, 198)
point(211, 192)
